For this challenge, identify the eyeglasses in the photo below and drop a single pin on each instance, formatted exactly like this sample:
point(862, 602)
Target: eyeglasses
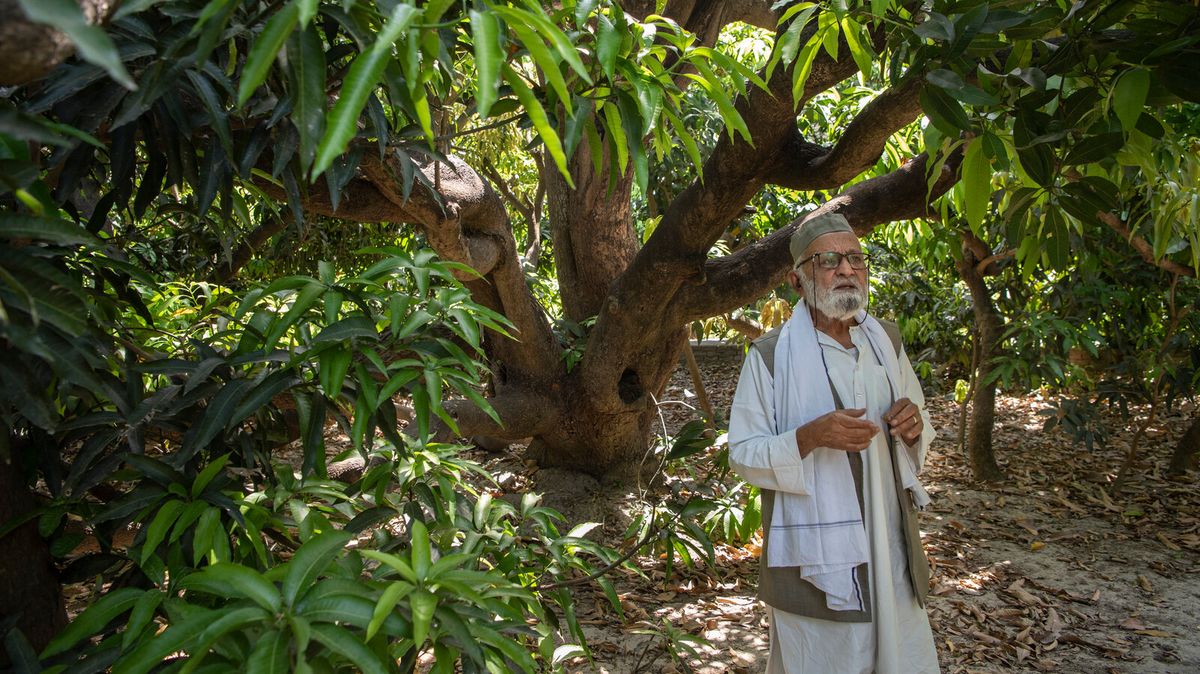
point(832, 259)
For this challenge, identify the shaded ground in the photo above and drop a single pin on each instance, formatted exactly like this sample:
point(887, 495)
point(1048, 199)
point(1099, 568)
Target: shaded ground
point(1049, 571)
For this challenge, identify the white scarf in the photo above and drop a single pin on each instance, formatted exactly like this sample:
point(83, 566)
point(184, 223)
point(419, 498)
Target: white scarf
point(822, 531)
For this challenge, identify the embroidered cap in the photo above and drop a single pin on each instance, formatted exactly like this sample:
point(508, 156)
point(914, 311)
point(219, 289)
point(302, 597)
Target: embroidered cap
point(809, 230)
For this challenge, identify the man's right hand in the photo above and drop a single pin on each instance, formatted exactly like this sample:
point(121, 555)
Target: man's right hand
point(840, 429)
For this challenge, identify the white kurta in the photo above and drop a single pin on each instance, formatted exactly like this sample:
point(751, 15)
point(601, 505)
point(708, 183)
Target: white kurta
point(899, 639)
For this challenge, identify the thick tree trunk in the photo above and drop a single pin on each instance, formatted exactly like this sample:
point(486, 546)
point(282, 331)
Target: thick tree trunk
point(592, 229)
point(606, 437)
point(29, 587)
point(1186, 450)
point(989, 326)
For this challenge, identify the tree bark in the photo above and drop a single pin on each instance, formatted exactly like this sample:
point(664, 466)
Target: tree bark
point(1186, 450)
point(29, 587)
point(989, 326)
point(29, 50)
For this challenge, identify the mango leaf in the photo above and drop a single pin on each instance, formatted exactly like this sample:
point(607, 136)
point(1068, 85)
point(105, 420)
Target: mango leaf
point(1095, 148)
point(489, 56)
point(608, 43)
point(348, 328)
point(733, 120)
point(93, 619)
point(364, 74)
point(234, 581)
point(945, 112)
point(541, 123)
point(546, 62)
point(387, 603)
point(271, 654)
point(977, 184)
point(266, 47)
point(50, 230)
point(422, 603)
point(333, 365)
point(1129, 96)
point(216, 416)
point(350, 647)
point(306, 63)
point(310, 561)
point(157, 531)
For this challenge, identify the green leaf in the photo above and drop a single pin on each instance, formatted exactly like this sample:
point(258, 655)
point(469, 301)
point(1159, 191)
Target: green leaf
point(616, 133)
point(306, 60)
point(387, 603)
point(210, 471)
point(350, 647)
point(270, 654)
point(1129, 97)
point(196, 633)
point(829, 31)
point(93, 619)
point(402, 567)
point(140, 617)
point(264, 392)
point(977, 184)
point(860, 50)
point(364, 74)
point(733, 120)
point(265, 48)
point(234, 581)
point(489, 57)
point(945, 112)
point(308, 9)
point(608, 43)
point(217, 415)
point(421, 553)
point(309, 561)
point(422, 603)
point(546, 62)
point(334, 363)
point(541, 123)
point(1096, 148)
point(159, 527)
point(93, 43)
point(50, 230)
point(348, 328)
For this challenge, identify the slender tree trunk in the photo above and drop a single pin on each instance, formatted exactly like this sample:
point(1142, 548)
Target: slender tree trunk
point(988, 327)
point(29, 587)
point(1188, 447)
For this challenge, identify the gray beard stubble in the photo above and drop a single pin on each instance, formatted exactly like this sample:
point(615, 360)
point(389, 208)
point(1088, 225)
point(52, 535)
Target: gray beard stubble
point(839, 305)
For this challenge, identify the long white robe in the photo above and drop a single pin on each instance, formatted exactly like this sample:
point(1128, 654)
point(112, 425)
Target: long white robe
point(898, 640)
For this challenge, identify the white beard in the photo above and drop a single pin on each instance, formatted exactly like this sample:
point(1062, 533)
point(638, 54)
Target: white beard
point(838, 304)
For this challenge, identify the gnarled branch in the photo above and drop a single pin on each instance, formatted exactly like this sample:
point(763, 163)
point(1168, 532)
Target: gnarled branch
point(741, 277)
point(1143, 246)
point(857, 149)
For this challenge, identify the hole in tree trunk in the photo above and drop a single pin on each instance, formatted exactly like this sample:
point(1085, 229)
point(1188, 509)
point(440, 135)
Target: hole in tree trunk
point(630, 387)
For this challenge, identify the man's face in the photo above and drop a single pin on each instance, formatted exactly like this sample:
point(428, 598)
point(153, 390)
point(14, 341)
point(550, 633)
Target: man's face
point(839, 293)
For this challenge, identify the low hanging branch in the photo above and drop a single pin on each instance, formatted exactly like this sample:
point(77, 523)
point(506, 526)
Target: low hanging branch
point(1143, 246)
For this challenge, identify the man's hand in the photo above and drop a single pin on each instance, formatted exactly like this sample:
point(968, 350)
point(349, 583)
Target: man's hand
point(839, 429)
point(904, 421)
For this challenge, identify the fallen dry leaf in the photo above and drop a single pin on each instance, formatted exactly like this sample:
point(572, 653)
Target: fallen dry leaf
point(1144, 583)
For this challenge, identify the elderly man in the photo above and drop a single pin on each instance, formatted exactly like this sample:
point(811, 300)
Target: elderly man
point(828, 420)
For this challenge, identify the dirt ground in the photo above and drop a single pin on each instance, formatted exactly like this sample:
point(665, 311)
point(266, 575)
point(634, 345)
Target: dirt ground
point(1048, 571)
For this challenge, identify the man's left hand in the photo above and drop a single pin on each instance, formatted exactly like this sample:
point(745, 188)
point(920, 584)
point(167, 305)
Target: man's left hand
point(904, 420)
